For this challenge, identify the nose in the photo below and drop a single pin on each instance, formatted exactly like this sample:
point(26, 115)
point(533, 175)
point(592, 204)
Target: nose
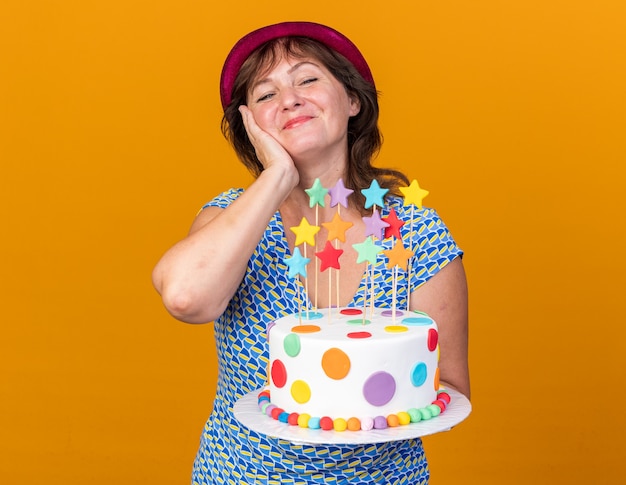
point(290, 98)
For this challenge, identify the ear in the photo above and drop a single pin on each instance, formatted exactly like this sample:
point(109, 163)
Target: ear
point(355, 105)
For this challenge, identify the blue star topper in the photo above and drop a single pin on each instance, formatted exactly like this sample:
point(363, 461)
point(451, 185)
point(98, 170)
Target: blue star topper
point(374, 195)
point(297, 264)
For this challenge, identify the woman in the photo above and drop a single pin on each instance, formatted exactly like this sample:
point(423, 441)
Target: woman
point(299, 105)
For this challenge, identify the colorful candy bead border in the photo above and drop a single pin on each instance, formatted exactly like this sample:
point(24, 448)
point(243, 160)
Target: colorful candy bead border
point(413, 415)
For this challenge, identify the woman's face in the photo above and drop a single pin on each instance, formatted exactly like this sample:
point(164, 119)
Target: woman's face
point(303, 106)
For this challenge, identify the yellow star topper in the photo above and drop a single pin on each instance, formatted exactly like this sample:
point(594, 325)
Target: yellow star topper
point(413, 194)
point(398, 256)
point(305, 232)
point(337, 228)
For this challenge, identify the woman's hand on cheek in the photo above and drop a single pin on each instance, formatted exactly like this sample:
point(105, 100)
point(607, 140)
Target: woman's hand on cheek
point(268, 150)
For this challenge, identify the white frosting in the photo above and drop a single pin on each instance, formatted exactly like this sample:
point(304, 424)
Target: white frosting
point(401, 358)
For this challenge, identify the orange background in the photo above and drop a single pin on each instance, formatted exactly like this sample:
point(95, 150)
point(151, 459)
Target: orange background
point(511, 113)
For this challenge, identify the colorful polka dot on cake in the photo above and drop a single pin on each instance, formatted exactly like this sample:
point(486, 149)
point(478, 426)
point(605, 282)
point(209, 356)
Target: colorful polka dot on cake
point(433, 338)
point(396, 329)
point(351, 311)
point(417, 321)
point(359, 335)
point(278, 373)
point(292, 344)
point(379, 388)
point(300, 391)
point(390, 313)
point(336, 363)
point(306, 329)
point(419, 374)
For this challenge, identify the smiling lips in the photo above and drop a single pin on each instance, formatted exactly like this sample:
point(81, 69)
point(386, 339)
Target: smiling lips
point(297, 121)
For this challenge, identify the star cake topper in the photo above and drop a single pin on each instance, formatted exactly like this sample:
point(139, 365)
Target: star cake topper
point(339, 194)
point(297, 264)
point(413, 194)
point(394, 224)
point(398, 256)
point(329, 257)
point(374, 195)
point(305, 232)
point(368, 250)
point(374, 225)
point(337, 228)
point(316, 192)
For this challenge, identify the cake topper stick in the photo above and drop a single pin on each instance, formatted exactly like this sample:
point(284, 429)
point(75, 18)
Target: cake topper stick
point(339, 197)
point(398, 256)
point(337, 279)
point(410, 270)
point(367, 265)
point(374, 196)
point(367, 251)
point(305, 234)
point(299, 305)
point(413, 195)
point(393, 231)
point(394, 292)
point(337, 232)
point(316, 194)
point(374, 226)
point(329, 257)
point(297, 266)
point(330, 287)
point(317, 219)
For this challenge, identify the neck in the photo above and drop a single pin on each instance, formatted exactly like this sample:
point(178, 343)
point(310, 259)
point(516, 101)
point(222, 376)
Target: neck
point(328, 165)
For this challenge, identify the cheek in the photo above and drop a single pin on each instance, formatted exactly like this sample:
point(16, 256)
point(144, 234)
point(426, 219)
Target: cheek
point(263, 118)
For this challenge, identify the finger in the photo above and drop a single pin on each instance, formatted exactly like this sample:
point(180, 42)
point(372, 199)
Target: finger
point(249, 123)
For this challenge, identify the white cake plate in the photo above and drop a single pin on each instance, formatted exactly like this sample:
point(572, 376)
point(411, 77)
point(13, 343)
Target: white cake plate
point(247, 412)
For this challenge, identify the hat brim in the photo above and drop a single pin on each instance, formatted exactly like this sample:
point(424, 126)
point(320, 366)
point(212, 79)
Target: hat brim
point(248, 44)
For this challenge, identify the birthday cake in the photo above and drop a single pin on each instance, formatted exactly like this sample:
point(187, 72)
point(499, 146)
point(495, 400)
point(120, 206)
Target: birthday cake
point(353, 368)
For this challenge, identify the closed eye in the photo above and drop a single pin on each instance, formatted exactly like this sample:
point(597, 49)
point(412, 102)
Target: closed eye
point(309, 80)
point(264, 97)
